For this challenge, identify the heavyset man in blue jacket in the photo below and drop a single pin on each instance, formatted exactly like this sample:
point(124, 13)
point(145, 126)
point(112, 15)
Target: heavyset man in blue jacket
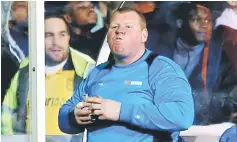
point(134, 102)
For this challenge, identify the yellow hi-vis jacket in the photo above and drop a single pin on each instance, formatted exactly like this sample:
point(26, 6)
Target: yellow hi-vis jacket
point(59, 88)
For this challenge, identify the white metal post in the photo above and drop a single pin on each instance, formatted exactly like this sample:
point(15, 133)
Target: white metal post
point(37, 75)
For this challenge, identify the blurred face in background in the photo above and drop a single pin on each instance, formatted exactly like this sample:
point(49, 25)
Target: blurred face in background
point(20, 11)
point(83, 12)
point(200, 24)
point(145, 6)
point(56, 41)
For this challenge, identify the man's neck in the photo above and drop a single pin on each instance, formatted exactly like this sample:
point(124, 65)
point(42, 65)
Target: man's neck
point(86, 28)
point(188, 45)
point(81, 30)
point(129, 59)
point(52, 69)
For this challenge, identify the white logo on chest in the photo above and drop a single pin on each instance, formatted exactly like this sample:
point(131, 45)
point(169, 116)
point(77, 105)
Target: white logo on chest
point(138, 83)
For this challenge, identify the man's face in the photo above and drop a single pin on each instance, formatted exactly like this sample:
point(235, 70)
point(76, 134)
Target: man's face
point(200, 25)
point(125, 35)
point(56, 40)
point(20, 11)
point(83, 13)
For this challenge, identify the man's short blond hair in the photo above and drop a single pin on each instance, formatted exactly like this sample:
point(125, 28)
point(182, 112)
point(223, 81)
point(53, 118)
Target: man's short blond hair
point(127, 9)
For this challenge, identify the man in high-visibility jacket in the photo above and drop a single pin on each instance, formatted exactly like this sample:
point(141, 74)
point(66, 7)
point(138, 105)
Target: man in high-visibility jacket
point(65, 68)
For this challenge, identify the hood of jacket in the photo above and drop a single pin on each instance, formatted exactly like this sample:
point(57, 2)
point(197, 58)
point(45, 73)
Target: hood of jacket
point(227, 18)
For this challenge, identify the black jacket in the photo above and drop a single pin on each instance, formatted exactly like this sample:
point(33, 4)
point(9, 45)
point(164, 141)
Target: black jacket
point(9, 66)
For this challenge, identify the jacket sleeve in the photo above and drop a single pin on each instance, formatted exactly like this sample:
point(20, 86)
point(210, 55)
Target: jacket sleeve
point(9, 107)
point(172, 108)
point(66, 119)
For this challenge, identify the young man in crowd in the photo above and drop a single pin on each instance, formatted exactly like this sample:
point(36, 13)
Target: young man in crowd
point(65, 68)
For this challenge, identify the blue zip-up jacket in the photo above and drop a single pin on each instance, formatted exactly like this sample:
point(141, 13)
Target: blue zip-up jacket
point(213, 65)
point(148, 106)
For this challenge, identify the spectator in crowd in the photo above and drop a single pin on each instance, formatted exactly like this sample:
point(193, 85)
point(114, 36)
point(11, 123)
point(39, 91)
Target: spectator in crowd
point(193, 38)
point(226, 31)
point(20, 11)
point(65, 68)
point(227, 25)
point(9, 57)
point(87, 26)
point(197, 54)
point(130, 106)
point(18, 25)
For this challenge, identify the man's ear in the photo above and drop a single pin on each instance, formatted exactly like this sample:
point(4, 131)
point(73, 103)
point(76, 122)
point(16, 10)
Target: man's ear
point(68, 18)
point(144, 35)
point(179, 23)
point(69, 36)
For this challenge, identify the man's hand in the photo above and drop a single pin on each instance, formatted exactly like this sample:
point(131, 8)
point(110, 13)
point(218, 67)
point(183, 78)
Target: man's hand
point(106, 109)
point(82, 113)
